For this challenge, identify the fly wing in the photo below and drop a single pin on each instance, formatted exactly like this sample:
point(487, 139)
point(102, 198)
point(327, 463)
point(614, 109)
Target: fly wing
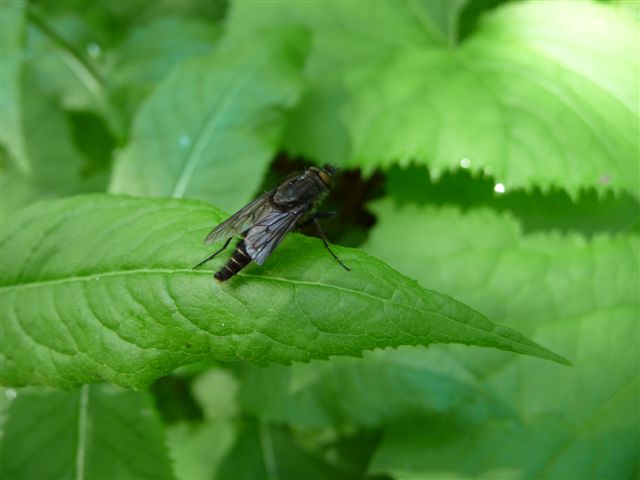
point(242, 219)
point(264, 236)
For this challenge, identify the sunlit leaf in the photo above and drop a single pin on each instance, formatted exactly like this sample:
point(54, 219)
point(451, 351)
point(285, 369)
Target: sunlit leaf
point(544, 93)
point(101, 288)
point(344, 34)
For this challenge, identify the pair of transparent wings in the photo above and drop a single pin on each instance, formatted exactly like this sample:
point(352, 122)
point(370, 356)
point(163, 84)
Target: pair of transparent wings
point(265, 226)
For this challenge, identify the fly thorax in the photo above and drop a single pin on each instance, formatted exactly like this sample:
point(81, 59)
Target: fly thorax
point(298, 191)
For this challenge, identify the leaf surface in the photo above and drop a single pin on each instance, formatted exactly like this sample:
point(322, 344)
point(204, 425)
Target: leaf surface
point(12, 32)
point(101, 288)
point(149, 53)
point(267, 451)
point(198, 448)
point(214, 120)
point(97, 431)
point(344, 34)
point(544, 93)
point(371, 391)
point(577, 296)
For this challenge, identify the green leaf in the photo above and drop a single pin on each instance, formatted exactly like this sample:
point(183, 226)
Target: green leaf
point(53, 163)
point(199, 447)
point(443, 16)
point(16, 191)
point(576, 295)
point(66, 56)
point(98, 431)
point(544, 93)
point(266, 451)
point(12, 29)
point(150, 51)
point(210, 129)
point(101, 288)
point(56, 164)
point(344, 34)
point(372, 391)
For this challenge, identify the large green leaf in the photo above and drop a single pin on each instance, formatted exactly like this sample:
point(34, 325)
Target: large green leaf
point(101, 288)
point(213, 121)
point(344, 34)
point(375, 390)
point(544, 93)
point(98, 431)
point(577, 296)
point(12, 28)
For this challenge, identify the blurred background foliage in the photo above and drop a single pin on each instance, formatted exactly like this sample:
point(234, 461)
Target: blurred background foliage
point(489, 150)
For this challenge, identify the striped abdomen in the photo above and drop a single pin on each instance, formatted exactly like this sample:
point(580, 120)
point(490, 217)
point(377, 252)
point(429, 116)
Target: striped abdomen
point(237, 262)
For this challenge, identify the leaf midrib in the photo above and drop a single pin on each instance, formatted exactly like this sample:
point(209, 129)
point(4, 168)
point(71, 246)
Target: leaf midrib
point(116, 273)
point(208, 132)
point(269, 278)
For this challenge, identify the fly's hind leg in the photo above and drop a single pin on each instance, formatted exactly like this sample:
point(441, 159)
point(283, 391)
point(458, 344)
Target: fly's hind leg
point(226, 244)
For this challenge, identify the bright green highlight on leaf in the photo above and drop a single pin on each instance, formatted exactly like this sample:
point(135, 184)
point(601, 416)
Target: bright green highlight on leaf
point(544, 93)
point(101, 288)
point(210, 129)
point(579, 297)
point(96, 431)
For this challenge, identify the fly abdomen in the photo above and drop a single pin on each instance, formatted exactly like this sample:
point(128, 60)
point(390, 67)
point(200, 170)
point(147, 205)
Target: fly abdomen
point(236, 262)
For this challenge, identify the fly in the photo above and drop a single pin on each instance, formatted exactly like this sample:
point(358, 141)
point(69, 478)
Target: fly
point(264, 222)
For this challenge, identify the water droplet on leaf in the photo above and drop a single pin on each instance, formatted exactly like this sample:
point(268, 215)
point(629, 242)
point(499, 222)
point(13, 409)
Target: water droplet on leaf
point(93, 50)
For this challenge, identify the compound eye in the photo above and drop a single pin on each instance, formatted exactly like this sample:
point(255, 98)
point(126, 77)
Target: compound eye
point(325, 177)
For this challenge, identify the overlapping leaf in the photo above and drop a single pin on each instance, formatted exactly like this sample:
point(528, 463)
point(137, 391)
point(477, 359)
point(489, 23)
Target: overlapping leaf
point(210, 129)
point(101, 288)
point(98, 431)
point(372, 391)
point(578, 296)
point(198, 448)
point(544, 93)
point(344, 34)
point(12, 33)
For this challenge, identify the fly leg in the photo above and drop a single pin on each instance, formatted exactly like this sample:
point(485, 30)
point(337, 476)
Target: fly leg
point(315, 221)
point(213, 254)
